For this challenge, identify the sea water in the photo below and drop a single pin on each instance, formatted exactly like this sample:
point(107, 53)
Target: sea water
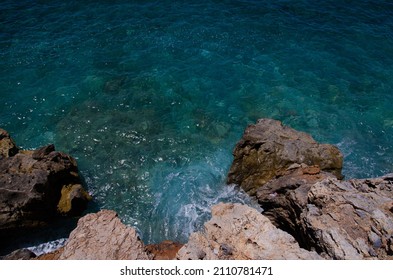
point(151, 97)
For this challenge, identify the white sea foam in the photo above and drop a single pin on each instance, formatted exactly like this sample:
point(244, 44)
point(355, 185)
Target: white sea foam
point(48, 247)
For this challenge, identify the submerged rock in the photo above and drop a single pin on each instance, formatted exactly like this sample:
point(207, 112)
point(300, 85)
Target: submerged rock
point(102, 236)
point(267, 149)
point(115, 85)
point(31, 186)
point(239, 232)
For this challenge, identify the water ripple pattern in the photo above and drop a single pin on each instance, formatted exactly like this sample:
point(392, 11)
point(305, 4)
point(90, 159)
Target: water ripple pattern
point(151, 96)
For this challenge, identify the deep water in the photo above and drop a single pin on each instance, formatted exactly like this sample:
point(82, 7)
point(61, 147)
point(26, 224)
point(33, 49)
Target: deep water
point(152, 96)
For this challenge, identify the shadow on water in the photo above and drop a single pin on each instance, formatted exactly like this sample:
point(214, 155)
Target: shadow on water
point(13, 240)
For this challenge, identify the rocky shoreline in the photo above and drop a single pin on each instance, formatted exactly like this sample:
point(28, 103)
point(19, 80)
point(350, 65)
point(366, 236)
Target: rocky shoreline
point(309, 211)
point(37, 188)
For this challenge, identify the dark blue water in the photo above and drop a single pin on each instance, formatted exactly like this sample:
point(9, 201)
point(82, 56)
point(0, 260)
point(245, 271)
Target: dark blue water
point(151, 96)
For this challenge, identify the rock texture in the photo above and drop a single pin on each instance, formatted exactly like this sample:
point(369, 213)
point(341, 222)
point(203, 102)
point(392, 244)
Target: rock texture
point(238, 232)
point(267, 149)
point(51, 256)
point(340, 219)
point(166, 250)
point(295, 181)
point(32, 183)
point(73, 199)
point(283, 199)
point(102, 236)
point(7, 145)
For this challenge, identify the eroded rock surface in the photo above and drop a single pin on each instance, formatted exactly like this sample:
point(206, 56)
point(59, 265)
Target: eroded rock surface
point(31, 184)
point(239, 232)
point(338, 219)
point(296, 181)
point(102, 236)
point(351, 219)
point(283, 199)
point(267, 149)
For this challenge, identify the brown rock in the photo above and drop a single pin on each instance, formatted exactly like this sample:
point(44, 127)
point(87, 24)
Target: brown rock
point(238, 232)
point(31, 184)
point(267, 149)
point(51, 256)
point(311, 170)
point(42, 152)
point(73, 200)
point(102, 236)
point(166, 250)
point(7, 145)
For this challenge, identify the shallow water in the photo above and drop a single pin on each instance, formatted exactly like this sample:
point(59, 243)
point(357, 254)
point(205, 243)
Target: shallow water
point(152, 96)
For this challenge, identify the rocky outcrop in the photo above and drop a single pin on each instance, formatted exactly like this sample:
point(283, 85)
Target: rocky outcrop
point(330, 219)
point(7, 145)
point(267, 149)
point(235, 232)
point(295, 181)
point(308, 212)
point(102, 236)
point(339, 219)
point(283, 199)
point(73, 199)
point(34, 184)
point(238, 232)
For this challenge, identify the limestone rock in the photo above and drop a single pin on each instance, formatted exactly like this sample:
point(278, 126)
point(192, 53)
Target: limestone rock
point(267, 149)
point(102, 236)
point(283, 199)
point(239, 232)
point(339, 219)
point(31, 185)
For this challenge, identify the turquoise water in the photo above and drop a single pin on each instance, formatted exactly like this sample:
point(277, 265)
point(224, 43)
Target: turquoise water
point(152, 96)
